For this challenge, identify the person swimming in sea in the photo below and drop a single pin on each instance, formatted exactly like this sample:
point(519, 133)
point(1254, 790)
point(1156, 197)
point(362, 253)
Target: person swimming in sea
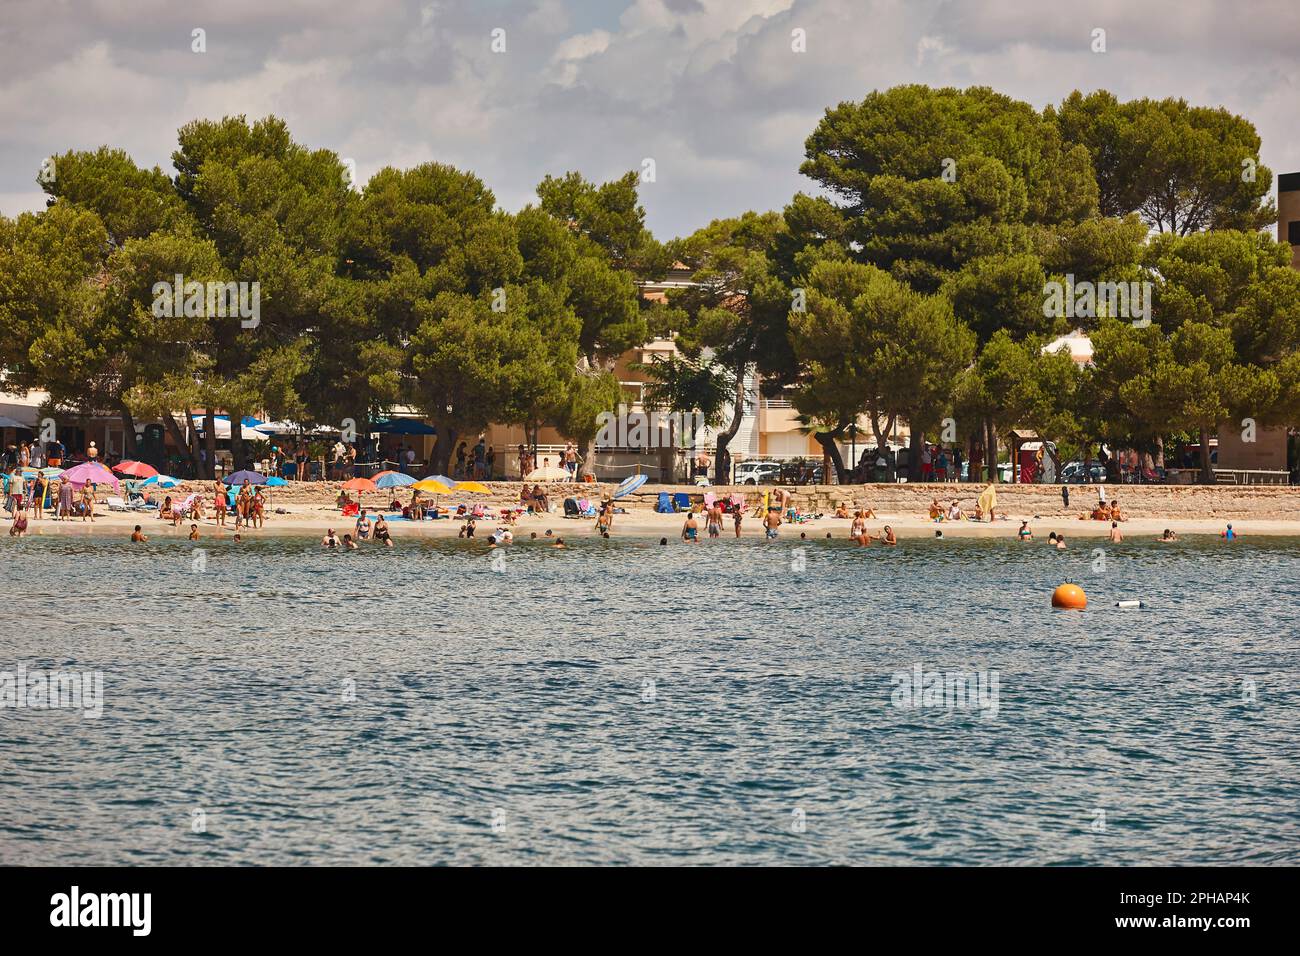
point(194, 532)
point(1228, 534)
point(1025, 533)
point(382, 533)
point(138, 535)
point(559, 542)
point(889, 537)
point(1060, 542)
point(329, 541)
point(348, 543)
point(1115, 534)
point(1169, 535)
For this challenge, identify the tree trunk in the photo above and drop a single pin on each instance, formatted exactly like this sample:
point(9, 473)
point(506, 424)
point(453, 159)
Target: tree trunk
point(128, 433)
point(991, 449)
point(722, 455)
point(189, 444)
point(831, 450)
point(238, 452)
point(210, 441)
point(1207, 470)
point(444, 449)
point(914, 456)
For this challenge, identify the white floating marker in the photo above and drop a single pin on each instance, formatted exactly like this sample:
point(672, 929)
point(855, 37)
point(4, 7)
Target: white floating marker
point(1130, 604)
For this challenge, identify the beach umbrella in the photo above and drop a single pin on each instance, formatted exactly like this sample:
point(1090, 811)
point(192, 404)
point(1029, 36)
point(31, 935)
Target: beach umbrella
point(630, 484)
point(136, 469)
point(432, 485)
point(393, 479)
point(473, 487)
point(275, 481)
point(358, 485)
point(239, 477)
point(550, 473)
point(441, 479)
point(162, 481)
point(92, 472)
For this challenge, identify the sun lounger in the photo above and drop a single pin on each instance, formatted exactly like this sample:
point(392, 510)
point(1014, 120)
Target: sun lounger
point(117, 504)
point(681, 501)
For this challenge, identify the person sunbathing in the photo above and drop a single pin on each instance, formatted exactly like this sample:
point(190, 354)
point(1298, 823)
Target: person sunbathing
point(843, 510)
point(955, 512)
point(1115, 514)
point(936, 512)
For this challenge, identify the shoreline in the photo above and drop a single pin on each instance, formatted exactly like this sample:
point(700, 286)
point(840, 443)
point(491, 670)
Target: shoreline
point(649, 525)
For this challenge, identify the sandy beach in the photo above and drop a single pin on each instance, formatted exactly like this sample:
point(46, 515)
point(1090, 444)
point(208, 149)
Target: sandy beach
point(310, 510)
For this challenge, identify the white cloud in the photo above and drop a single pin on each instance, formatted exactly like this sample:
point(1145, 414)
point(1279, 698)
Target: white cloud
point(709, 88)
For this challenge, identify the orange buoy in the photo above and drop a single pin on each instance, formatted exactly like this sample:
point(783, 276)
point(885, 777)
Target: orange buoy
point(1070, 597)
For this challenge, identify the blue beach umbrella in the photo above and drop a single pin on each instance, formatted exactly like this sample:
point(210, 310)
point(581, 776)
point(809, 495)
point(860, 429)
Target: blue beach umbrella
point(162, 481)
point(275, 481)
point(394, 479)
point(441, 479)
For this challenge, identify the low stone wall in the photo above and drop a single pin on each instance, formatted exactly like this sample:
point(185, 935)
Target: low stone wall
point(1266, 502)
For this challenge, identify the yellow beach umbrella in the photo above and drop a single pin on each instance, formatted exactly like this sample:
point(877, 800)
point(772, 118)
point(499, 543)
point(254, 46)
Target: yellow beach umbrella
point(431, 486)
point(475, 487)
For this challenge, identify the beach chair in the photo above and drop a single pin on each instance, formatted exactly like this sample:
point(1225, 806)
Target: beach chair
point(681, 501)
point(186, 506)
point(117, 504)
point(665, 503)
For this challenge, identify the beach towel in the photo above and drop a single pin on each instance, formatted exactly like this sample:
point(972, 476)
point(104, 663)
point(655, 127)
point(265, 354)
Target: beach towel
point(681, 501)
point(665, 503)
point(709, 499)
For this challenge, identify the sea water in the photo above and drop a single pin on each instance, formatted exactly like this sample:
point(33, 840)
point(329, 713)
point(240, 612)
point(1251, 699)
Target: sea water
point(729, 702)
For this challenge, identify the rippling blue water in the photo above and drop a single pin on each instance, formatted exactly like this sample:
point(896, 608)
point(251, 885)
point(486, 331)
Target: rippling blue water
point(621, 702)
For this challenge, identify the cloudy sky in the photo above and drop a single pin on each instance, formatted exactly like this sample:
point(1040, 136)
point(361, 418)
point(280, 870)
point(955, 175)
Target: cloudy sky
point(711, 90)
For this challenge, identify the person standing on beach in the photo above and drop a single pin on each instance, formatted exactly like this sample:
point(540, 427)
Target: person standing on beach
point(737, 516)
point(88, 501)
point(64, 511)
point(219, 504)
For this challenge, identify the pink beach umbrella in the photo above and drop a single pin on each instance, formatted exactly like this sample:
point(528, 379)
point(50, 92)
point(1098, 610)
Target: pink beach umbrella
point(89, 471)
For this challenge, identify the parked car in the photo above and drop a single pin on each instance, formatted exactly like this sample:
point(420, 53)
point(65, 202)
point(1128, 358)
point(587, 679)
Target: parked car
point(1072, 473)
point(757, 472)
